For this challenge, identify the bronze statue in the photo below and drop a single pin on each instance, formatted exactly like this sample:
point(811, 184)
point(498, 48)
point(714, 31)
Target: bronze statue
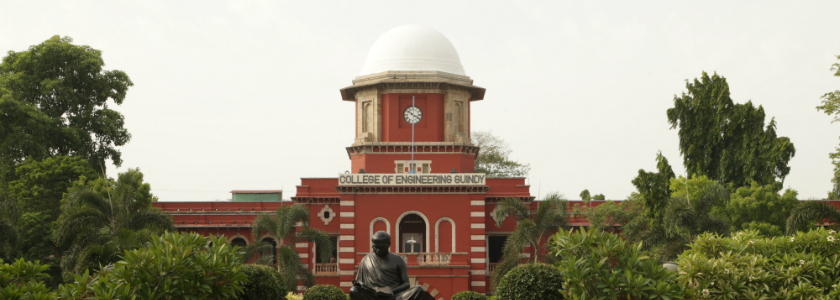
point(384, 275)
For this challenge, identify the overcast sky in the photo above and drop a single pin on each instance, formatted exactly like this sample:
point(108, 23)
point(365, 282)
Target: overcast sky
point(245, 95)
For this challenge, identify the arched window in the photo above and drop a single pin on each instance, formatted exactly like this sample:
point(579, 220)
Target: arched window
point(413, 232)
point(445, 235)
point(241, 242)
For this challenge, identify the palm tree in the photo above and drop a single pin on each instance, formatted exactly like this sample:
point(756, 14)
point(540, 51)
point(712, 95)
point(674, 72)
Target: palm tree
point(530, 228)
point(99, 227)
point(281, 226)
point(809, 212)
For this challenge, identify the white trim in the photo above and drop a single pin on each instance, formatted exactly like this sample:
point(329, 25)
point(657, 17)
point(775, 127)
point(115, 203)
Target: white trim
point(347, 203)
point(326, 208)
point(346, 272)
point(303, 255)
point(346, 261)
point(437, 233)
point(397, 227)
point(476, 237)
point(476, 260)
point(478, 249)
point(301, 245)
point(387, 230)
point(478, 272)
point(301, 288)
point(348, 226)
point(347, 214)
point(345, 284)
point(347, 238)
point(478, 283)
point(479, 214)
point(477, 225)
point(346, 249)
point(477, 202)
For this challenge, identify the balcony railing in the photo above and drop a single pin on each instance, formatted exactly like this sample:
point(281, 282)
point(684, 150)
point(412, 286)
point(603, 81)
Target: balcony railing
point(326, 268)
point(427, 258)
point(492, 267)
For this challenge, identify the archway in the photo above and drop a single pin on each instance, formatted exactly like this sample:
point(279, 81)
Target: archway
point(273, 244)
point(413, 234)
point(238, 241)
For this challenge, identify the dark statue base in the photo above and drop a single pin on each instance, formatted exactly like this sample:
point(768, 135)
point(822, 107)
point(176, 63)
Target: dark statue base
point(412, 293)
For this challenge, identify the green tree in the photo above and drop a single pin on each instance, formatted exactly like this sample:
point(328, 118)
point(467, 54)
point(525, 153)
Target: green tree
point(808, 214)
point(530, 228)
point(754, 205)
point(281, 226)
point(831, 106)
point(101, 219)
point(40, 185)
point(585, 196)
point(493, 158)
point(654, 188)
point(725, 141)
point(54, 101)
point(599, 197)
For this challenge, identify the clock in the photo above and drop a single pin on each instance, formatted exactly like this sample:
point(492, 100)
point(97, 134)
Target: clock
point(413, 114)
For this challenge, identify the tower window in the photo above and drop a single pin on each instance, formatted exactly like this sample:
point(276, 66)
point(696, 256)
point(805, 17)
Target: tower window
point(419, 166)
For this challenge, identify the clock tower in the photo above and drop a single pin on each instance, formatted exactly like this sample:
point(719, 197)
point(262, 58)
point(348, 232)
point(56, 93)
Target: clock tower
point(412, 91)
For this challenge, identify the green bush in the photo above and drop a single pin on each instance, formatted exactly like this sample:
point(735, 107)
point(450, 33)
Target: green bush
point(23, 280)
point(468, 295)
point(324, 292)
point(531, 282)
point(601, 265)
point(748, 265)
point(263, 283)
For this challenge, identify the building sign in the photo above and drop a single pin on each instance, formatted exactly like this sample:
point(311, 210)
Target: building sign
point(412, 179)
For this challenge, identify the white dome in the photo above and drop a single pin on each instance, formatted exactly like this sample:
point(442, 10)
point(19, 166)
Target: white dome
point(412, 48)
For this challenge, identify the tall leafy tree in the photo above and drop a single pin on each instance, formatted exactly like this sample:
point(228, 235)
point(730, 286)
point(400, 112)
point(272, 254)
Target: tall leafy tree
point(753, 206)
point(54, 101)
point(40, 185)
point(831, 106)
point(654, 187)
point(530, 228)
point(584, 195)
point(100, 219)
point(282, 227)
point(725, 141)
point(494, 157)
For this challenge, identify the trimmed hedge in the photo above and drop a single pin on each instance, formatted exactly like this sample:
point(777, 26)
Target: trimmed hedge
point(263, 283)
point(531, 282)
point(324, 292)
point(469, 295)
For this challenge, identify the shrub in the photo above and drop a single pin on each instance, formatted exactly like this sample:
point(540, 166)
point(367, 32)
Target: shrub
point(469, 295)
point(535, 281)
point(23, 280)
point(293, 296)
point(802, 266)
point(263, 283)
point(324, 292)
point(600, 265)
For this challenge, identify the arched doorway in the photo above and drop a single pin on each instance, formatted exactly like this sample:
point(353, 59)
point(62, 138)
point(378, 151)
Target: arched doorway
point(273, 247)
point(412, 234)
point(239, 242)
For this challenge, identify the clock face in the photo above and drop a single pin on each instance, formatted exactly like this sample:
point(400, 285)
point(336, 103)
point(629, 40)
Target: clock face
point(413, 114)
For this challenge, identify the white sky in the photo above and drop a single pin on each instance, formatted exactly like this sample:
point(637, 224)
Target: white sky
point(244, 95)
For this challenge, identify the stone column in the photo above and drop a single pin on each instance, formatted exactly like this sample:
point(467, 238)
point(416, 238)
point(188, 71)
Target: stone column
point(347, 242)
point(478, 247)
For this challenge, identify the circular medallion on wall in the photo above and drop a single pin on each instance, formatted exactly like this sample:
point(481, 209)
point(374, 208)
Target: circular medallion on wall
point(326, 214)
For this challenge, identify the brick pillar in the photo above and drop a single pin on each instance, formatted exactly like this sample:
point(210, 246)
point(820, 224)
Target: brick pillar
point(478, 247)
point(347, 242)
point(303, 249)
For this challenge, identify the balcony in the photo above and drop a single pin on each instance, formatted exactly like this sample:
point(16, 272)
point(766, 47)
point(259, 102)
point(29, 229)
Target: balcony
point(326, 269)
point(432, 259)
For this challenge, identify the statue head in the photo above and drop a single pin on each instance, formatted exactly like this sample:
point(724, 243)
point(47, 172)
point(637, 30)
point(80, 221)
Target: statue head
point(381, 242)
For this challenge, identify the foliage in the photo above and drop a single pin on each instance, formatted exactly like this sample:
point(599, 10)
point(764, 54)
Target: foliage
point(831, 106)
point(654, 187)
point(610, 215)
point(9, 237)
point(98, 228)
point(749, 266)
point(40, 185)
point(281, 226)
point(684, 219)
point(263, 283)
point(22, 280)
point(808, 214)
point(725, 141)
point(530, 228)
point(324, 292)
point(535, 281)
point(293, 296)
point(54, 101)
point(754, 205)
point(584, 195)
point(493, 158)
point(599, 197)
point(601, 265)
point(468, 295)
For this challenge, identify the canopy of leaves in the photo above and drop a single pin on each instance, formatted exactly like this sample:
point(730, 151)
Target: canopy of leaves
point(725, 141)
point(54, 101)
point(584, 195)
point(100, 219)
point(494, 157)
point(654, 187)
point(811, 214)
point(263, 283)
point(752, 205)
point(40, 185)
point(535, 281)
point(831, 106)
